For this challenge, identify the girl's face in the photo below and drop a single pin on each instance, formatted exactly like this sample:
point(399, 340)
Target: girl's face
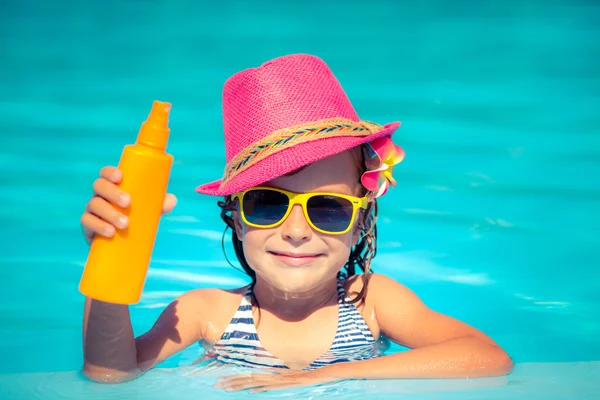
point(319, 257)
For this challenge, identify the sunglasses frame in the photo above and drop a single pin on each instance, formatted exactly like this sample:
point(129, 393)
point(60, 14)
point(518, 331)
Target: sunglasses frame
point(302, 199)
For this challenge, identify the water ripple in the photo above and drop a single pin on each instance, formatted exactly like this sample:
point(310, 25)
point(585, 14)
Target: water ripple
point(528, 381)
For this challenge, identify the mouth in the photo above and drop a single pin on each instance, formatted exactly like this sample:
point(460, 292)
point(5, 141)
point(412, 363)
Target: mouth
point(295, 259)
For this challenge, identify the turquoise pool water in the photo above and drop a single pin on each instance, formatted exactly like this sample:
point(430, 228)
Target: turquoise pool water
point(495, 220)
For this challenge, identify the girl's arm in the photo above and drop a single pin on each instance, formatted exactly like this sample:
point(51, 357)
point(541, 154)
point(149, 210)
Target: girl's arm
point(442, 347)
point(111, 352)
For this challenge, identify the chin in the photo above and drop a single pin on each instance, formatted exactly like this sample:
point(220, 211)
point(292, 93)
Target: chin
point(297, 276)
point(294, 280)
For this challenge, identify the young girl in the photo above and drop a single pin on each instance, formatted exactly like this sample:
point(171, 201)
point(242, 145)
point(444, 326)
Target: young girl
point(299, 192)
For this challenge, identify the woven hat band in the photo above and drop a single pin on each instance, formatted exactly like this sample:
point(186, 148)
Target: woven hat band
point(294, 135)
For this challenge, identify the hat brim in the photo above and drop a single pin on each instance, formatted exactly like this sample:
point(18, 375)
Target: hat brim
point(290, 159)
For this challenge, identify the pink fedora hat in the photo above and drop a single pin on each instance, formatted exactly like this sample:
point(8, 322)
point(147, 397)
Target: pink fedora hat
point(287, 113)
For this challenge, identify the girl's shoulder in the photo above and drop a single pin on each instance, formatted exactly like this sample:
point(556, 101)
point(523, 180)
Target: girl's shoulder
point(355, 283)
point(213, 307)
point(380, 289)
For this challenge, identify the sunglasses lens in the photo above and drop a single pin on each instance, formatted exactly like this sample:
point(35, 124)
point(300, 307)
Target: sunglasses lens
point(264, 207)
point(330, 213)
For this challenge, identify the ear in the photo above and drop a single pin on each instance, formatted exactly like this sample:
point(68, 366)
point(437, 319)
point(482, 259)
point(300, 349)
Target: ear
point(237, 223)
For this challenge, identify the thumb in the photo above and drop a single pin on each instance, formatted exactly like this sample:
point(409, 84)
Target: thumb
point(169, 203)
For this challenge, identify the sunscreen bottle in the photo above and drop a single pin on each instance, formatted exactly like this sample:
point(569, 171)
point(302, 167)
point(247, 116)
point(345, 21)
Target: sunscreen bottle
point(115, 271)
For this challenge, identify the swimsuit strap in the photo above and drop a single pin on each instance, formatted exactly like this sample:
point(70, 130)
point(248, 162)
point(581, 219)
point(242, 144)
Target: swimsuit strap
point(240, 344)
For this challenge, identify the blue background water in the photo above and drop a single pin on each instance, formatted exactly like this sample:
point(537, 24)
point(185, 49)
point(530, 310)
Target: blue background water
point(496, 216)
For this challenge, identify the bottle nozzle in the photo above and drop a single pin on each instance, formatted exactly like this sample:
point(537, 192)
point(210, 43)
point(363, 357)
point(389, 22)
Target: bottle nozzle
point(160, 112)
point(155, 130)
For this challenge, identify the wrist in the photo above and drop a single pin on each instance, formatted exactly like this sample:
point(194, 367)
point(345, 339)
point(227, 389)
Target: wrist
point(332, 372)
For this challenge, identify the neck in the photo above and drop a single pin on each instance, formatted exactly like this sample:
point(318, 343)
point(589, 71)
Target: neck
point(295, 306)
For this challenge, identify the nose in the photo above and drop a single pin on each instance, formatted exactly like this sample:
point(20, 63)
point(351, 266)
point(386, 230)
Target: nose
point(295, 228)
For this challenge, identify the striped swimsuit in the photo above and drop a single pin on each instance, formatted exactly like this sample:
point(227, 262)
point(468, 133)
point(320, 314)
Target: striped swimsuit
point(239, 344)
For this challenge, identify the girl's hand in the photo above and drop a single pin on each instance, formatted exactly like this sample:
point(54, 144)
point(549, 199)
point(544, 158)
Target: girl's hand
point(279, 379)
point(100, 217)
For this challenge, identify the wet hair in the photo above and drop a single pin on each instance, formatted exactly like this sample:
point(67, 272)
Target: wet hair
point(361, 254)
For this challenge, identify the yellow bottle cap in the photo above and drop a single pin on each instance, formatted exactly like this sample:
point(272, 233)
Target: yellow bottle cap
point(155, 130)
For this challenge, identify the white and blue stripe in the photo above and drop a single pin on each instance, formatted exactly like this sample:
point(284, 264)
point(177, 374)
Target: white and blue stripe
point(240, 345)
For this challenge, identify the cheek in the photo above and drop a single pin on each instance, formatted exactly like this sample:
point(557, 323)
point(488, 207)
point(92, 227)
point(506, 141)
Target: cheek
point(253, 240)
point(255, 234)
point(348, 239)
point(340, 246)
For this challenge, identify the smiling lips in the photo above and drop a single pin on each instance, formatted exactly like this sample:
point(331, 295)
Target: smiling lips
point(295, 259)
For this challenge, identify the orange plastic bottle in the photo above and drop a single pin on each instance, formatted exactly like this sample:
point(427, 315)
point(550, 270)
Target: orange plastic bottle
point(116, 267)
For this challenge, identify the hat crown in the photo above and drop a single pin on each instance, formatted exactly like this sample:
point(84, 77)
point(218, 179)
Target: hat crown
point(283, 92)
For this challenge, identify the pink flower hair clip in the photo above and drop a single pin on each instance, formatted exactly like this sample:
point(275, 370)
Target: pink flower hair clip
point(382, 155)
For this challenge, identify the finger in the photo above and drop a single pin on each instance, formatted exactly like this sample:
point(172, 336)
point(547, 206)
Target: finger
point(245, 376)
point(113, 174)
point(107, 212)
point(240, 381)
point(169, 203)
point(92, 225)
point(88, 235)
point(243, 386)
point(233, 378)
point(111, 192)
point(287, 383)
point(274, 386)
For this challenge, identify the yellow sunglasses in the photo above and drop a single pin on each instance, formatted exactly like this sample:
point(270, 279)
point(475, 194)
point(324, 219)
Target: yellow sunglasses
point(329, 213)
